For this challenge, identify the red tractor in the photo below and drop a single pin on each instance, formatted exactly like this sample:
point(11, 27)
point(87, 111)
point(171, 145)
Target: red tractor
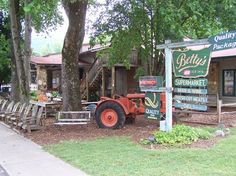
point(113, 112)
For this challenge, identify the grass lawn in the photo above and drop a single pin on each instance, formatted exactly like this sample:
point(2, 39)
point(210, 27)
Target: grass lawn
point(119, 156)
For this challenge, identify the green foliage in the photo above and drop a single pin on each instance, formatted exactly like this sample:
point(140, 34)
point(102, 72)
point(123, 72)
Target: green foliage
point(55, 94)
point(33, 95)
point(45, 14)
point(5, 62)
point(3, 4)
point(144, 24)
point(180, 134)
point(139, 72)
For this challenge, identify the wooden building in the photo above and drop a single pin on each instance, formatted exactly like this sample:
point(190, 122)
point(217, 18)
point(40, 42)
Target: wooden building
point(97, 79)
point(222, 75)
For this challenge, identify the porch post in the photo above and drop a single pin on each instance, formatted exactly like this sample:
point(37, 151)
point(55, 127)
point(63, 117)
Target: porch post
point(87, 87)
point(103, 81)
point(219, 105)
point(113, 80)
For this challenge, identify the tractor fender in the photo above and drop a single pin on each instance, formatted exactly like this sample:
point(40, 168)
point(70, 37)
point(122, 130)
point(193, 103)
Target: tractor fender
point(107, 99)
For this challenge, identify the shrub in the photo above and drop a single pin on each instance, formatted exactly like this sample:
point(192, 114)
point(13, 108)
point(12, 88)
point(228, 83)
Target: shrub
point(180, 134)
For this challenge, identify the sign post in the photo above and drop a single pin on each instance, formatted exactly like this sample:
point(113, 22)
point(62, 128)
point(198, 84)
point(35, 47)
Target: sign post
point(221, 41)
point(168, 77)
point(168, 73)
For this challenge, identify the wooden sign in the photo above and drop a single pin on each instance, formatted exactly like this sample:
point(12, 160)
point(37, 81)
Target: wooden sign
point(197, 82)
point(190, 91)
point(152, 105)
point(202, 99)
point(223, 41)
point(150, 83)
point(191, 63)
point(191, 106)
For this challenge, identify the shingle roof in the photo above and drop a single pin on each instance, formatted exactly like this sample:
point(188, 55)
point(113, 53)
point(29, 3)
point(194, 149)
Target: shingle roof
point(53, 59)
point(56, 59)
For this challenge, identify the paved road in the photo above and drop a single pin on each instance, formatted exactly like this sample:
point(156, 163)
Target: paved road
point(3, 172)
point(21, 157)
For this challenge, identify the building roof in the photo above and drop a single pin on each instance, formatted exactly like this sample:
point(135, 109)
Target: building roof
point(224, 53)
point(53, 59)
point(56, 59)
point(216, 54)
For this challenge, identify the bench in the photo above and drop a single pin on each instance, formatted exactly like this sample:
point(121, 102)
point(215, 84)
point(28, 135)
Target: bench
point(73, 117)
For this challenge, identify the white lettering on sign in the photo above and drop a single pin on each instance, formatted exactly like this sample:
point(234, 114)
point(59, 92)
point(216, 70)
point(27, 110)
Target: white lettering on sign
point(193, 61)
point(190, 98)
point(224, 46)
point(226, 36)
point(191, 82)
point(190, 91)
point(152, 112)
point(190, 106)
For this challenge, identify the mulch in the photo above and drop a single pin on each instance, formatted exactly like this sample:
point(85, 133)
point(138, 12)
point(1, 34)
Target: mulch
point(51, 134)
point(141, 129)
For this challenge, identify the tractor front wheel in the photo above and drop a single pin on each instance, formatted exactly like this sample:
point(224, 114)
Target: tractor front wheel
point(110, 115)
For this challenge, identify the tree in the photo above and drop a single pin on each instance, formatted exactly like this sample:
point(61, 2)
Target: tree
point(143, 24)
point(21, 63)
point(42, 15)
point(5, 70)
point(76, 12)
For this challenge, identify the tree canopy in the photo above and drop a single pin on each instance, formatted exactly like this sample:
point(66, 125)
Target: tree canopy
point(143, 24)
point(5, 71)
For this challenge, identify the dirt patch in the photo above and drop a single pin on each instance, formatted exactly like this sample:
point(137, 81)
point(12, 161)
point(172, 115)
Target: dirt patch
point(228, 120)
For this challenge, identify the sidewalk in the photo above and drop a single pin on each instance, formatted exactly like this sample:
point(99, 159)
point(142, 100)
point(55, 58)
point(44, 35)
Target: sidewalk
point(21, 157)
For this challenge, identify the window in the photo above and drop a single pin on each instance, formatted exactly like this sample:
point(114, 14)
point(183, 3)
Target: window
point(229, 82)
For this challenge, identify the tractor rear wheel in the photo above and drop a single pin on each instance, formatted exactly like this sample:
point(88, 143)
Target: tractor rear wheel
point(110, 115)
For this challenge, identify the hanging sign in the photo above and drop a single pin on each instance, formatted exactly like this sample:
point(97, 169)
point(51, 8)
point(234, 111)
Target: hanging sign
point(190, 91)
point(152, 105)
point(150, 83)
point(191, 63)
point(191, 106)
point(198, 82)
point(223, 41)
point(202, 99)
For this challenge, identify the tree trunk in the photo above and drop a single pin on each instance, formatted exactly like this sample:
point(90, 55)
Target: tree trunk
point(15, 93)
point(21, 72)
point(76, 12)
point(27, 46)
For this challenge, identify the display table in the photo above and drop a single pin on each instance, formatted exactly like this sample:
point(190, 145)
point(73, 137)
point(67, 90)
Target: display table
point(51, 107)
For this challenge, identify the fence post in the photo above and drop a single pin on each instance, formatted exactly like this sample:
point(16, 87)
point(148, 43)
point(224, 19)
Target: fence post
point(219, 104)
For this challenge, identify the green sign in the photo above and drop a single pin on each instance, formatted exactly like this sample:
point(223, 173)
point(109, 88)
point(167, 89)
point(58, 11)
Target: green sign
point(191, 63)
point(152, 105)
point(198, 82)
point(150, 83)
point(223, 41)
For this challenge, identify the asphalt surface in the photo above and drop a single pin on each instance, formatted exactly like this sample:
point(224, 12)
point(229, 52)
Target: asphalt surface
point(22, 157)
